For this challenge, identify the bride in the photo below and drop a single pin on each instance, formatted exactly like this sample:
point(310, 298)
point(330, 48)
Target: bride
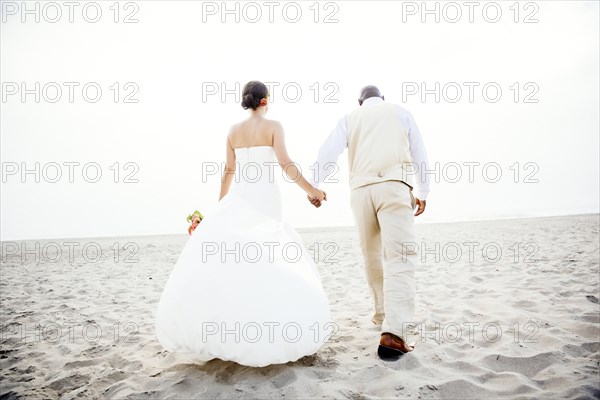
point(244, 287)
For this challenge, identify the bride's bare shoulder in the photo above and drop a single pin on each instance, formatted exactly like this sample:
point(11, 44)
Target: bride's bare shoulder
point(233, 129)
point(235, 126)
point(275, 125)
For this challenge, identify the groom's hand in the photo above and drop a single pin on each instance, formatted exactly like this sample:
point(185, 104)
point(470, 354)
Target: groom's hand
point(421, 207)
point(316, 202)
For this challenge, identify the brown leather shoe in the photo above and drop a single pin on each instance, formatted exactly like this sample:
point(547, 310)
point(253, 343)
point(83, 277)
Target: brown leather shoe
point(391, 347)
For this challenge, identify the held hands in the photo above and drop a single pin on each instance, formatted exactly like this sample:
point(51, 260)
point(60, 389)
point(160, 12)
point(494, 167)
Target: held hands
point(316, 196)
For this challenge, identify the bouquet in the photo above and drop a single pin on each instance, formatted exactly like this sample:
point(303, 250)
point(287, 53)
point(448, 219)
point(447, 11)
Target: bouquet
point(194, 220)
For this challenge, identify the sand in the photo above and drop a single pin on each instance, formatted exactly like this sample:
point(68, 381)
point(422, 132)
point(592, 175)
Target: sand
point(494, 322)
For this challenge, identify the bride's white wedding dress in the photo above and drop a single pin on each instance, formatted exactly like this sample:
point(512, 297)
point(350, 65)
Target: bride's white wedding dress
point(245, 288)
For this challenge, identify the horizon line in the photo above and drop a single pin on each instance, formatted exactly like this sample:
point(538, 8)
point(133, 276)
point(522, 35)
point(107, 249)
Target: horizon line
point(322, 227)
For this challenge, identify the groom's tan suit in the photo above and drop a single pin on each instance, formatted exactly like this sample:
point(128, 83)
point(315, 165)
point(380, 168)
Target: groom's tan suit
point(382, 167)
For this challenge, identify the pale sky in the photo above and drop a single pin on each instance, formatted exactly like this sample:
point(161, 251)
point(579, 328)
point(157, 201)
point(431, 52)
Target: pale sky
point(541, 131)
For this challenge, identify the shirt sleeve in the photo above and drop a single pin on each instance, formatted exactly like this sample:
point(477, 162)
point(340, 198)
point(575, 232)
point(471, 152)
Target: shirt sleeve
point(419, 158)
point(329, 153)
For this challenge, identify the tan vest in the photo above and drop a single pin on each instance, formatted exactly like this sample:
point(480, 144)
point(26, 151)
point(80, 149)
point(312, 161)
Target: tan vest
point(378, 146)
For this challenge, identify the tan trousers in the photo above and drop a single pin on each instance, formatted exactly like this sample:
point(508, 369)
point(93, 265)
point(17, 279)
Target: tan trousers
point(384, 217)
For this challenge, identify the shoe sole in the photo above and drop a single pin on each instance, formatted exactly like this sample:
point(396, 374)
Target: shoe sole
point(389, 353)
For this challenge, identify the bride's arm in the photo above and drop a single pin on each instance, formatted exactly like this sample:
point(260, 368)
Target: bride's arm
point(289, 167)
point(229, 172)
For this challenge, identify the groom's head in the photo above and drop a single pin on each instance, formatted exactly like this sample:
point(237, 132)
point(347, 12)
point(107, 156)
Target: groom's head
point(369, 91)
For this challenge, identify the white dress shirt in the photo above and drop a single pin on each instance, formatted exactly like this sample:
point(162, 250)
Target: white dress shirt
point(336, 142)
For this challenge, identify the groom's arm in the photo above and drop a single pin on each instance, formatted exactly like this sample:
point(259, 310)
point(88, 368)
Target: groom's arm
point(329, 153)
point(419, 157)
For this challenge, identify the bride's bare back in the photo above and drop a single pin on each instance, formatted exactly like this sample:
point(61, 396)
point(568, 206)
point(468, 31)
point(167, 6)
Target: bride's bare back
point(254, 131)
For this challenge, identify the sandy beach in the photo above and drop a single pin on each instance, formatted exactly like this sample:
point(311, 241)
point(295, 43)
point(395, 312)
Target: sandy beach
point(506, 309)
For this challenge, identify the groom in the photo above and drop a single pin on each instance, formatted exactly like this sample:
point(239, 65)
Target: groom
point(385, 151)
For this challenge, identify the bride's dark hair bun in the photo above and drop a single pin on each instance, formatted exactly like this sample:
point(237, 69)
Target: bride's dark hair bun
point(253, 92)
